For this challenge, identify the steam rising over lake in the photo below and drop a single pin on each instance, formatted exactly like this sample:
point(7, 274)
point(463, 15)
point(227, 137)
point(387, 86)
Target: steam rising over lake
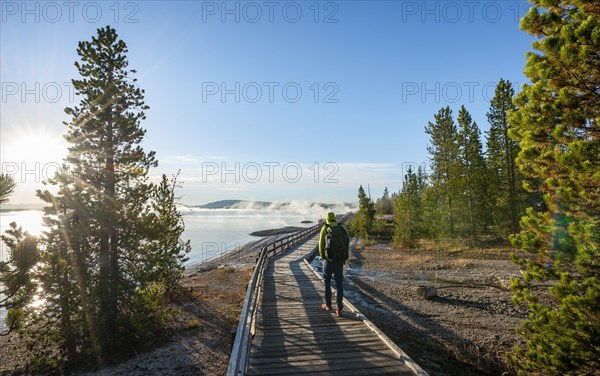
point(212, 232)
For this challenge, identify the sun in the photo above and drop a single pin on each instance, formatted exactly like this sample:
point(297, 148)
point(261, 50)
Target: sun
point(31, 155)
point(32, 148)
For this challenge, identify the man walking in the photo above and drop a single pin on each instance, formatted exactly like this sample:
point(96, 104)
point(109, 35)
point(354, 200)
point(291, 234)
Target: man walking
point(333, 249)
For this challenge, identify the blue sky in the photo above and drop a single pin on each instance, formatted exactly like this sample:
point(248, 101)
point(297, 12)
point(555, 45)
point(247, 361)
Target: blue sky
point(261, 100)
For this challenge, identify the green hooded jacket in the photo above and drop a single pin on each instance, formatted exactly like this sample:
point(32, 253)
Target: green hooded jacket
point(331, 221)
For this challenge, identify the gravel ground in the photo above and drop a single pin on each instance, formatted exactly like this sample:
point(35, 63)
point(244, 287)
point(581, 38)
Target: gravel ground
point(203, 342)
point(464, 330)
point(200, 341)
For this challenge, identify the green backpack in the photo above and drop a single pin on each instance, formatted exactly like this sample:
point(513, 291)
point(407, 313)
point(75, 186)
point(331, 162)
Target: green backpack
point(336, 243)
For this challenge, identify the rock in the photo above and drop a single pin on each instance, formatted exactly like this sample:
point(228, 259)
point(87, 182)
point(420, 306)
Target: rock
point(426, 292)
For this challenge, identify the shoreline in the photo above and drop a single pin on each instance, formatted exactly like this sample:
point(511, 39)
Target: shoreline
point(243, 255)
point(277, 231)
point(236, 258)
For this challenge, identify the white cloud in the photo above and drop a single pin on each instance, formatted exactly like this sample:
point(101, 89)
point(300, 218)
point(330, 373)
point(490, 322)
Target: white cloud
point(186, 158)
point(286, 181)
point(232, 189)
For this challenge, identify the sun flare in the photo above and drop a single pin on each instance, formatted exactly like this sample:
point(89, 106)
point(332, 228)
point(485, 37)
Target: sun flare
point(29, 147)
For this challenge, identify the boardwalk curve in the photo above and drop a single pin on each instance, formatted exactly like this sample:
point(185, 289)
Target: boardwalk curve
point(290, 334)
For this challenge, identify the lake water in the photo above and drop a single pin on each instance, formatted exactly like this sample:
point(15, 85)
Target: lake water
point(212, 232)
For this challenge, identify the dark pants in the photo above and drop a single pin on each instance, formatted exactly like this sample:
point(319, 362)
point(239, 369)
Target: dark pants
point(337, 269)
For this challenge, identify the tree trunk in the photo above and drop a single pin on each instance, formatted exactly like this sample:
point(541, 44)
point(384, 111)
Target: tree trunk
point(104, 288)
point(469, 184)
point(65, 318)
point(82, 284)
point(112, 313)
point(449, 194)
point(109, 272)
point(510, 167)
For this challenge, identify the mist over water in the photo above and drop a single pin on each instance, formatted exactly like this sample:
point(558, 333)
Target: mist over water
point(215, 231)
point(211, 232)
point(224, 229)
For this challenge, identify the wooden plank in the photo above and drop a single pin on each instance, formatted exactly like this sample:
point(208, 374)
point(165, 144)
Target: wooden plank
point(383, 371)
point(318, 356)
point(364, 361)
point(277, 351)
point(315, 333)
point(290, 347)
point(294, 335)
point(346, 368)
point(266, 341)
point(309, 325)
point(312, 304)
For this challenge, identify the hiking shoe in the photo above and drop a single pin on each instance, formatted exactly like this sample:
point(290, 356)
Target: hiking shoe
point(326, 307)
point(338, 312)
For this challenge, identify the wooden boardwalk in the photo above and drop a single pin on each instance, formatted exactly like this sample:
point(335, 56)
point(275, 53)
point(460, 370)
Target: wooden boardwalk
point(295, 336)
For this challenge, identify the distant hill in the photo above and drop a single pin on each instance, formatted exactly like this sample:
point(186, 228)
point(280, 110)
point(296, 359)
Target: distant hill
point(228, 204)
point(17, 207)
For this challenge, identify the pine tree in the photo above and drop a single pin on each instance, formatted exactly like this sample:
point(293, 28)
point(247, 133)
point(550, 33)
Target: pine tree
point(444, 151)
point(473, 171)
point(504, 176)
point(16, 284)
point(435, 222)
point(113, 237)
point(384, 204)
point(67, 269)
point(165, 253)
point(557, 125)
point(362, 223)
point(7, 186)
point(408, 217)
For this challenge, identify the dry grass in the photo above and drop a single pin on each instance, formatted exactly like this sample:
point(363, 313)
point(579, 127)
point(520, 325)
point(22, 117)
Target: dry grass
point(459, 263)
point(408, 260)
point(205, 310)
point(467, 328)
point(453, 248)
point(222, 290)
point(464, 245)
point(193, 324)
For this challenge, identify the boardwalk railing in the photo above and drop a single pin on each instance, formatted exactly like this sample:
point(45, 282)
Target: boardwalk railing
point(241, 347)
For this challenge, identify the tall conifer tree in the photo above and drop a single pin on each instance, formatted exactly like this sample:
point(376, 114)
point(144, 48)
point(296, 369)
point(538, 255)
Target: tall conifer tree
point(408, 217)
point(473, 171)
point(557, 123)
point(508, 196)
point(113, 236)
point(363, 221)
point(445, 162)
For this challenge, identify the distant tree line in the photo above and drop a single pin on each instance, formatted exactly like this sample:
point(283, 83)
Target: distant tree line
point(538, 181)
point(469, 191)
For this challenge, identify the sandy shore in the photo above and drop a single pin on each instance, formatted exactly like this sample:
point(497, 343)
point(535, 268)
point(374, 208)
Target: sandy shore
point(237, 258)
